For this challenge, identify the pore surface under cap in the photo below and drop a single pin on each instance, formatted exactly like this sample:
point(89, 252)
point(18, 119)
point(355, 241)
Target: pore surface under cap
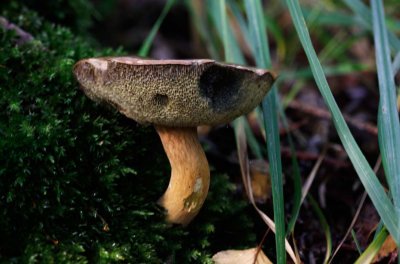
point(173, 92)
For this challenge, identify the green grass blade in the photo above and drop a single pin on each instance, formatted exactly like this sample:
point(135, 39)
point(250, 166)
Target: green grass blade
point(217, 9)
point(273, 148)
point(388, 118)
point(368, 255)
point(361, 10)
point(331, 18)
point(203, 29)
point(236, 12)
point(356, 242)
point(364, 14)
point(261, 52)
point(325, 227)
point(258, 34)
point(396, 63)
point(145, 48)
point(368, 178)
point(228, 45)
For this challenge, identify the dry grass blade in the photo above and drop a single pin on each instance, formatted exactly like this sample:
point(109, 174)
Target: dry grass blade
point(311, 177)
point(245, 172)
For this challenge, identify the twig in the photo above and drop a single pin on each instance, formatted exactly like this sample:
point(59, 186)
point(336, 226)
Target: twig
point(23, 36)
point(311, 177)
point(260, 245)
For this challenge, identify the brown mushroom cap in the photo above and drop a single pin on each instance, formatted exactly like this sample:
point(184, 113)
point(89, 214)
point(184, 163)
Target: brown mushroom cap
point(182, 93)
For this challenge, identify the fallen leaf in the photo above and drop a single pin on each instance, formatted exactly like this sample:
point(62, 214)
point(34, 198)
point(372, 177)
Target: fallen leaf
point(246, 256)
point(388, 247)
point(260, 180)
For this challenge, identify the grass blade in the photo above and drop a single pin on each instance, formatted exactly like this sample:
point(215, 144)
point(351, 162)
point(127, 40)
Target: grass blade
point(257, 32)
point(331, 18)
point(364, 14)
point(396, 63)
point(368, 178)
point(368, 255)
point(310, 179)
point(325, 227)
point(273, 148)
point(217, 9)
point(145, 48)
point(195, 9)
point(236, 12)
point(388, 118)
point(356, 242)
point(261, 52)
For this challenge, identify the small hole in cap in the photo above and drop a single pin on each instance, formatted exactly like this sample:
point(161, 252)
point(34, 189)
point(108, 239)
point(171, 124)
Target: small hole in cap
point(160, 100)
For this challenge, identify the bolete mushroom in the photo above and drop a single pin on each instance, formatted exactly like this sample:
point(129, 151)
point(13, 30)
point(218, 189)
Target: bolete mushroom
point(176, 96)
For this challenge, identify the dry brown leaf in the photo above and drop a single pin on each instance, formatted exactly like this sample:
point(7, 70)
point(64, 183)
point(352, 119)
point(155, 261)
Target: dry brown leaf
point(260, 180)
point(388, 247)
point(246, 256)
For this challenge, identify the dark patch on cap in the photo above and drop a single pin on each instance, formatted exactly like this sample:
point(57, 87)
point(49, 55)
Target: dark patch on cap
point(220, 85)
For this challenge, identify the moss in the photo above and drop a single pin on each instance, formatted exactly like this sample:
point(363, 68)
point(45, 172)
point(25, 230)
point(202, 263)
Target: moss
point(78, 182)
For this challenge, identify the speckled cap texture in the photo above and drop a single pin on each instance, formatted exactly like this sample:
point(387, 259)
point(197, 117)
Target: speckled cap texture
point(172, 93)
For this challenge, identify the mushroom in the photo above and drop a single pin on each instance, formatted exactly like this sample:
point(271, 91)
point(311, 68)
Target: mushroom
point(176, 96)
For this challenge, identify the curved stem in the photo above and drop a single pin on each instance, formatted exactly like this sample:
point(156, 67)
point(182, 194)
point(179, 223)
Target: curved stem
point(190, 174)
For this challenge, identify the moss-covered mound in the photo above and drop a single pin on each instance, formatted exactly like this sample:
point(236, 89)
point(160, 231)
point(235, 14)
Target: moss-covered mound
point(78, 182)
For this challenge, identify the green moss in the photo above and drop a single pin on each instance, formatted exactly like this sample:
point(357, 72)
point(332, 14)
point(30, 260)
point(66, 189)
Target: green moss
point(78, 182)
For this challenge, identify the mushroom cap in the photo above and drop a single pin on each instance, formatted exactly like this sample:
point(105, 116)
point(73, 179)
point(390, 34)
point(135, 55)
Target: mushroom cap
point(177, 93)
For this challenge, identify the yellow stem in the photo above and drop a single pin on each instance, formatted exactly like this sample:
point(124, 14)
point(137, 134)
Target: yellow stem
point(190, 174)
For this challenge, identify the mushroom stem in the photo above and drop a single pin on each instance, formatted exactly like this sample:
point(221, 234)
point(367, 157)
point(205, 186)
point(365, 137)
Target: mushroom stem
point(190, 174)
